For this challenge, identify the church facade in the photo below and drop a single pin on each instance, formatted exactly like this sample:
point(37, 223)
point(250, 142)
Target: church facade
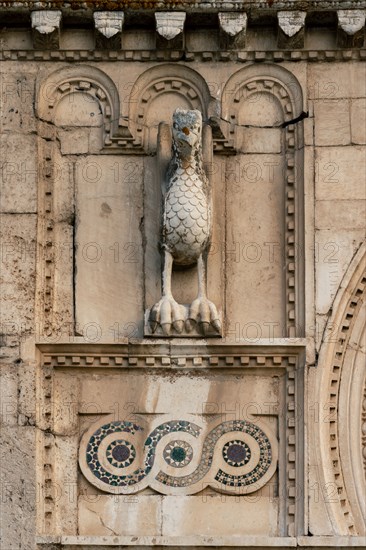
point(183, 260)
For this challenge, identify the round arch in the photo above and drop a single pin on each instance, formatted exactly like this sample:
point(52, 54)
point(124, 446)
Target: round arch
point(340, 390)
point(93, 83)
point(160, 90)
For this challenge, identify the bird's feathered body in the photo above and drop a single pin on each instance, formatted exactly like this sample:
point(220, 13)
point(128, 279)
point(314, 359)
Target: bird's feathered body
point(187, 209)
point(186, 217)
point(186, 230)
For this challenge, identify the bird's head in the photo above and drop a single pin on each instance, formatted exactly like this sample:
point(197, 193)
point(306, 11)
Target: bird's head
point(187, 130)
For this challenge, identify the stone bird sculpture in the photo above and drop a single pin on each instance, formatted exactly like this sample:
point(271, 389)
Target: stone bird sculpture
point(186, 229)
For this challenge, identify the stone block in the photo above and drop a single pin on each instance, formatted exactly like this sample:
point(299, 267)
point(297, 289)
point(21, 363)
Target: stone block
point(74, 141)
point(334, 249)
point(18, 173)
point(308, 131)
point(121, 515)
point(17, 99)
point(9, 395)
point(358, 121)
point(255, 263)
point(340, 173)
point(18, 487)
point(109, 251)
point(78, 110)
point(27, 408)
point(261, 140)
point(18, 271)
point(9, 349)
point(336, 80)
point(220, 515)
point(340, 214)
point(332, 122)
point(66, 490)
point(220, 394)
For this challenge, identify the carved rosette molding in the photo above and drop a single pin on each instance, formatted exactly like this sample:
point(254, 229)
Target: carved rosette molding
point(77, 360)
point(285, 89)
point(341, 366)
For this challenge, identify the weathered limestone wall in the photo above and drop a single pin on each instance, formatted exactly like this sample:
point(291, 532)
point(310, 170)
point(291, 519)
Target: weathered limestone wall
point(81, 170)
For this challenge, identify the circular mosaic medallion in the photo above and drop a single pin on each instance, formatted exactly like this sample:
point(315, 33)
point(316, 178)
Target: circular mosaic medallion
point(120, 453)
point(115, 452)
point(236, 453)
point(178, 453)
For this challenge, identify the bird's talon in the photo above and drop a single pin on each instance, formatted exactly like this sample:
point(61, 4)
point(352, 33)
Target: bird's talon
point(178, 326)
point(203, 312)
point(190, 325)
point(166, 327)
point(167, 314)
point(153, 326)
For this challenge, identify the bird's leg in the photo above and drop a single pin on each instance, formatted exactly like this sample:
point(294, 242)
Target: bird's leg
point(167, 311)
point(202, 310)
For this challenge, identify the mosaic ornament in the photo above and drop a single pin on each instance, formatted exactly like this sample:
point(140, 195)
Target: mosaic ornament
point(236, 453)
point(121, 453)
point(178, 453)
point(118, 458)
point(207, 456)
point(155, 436)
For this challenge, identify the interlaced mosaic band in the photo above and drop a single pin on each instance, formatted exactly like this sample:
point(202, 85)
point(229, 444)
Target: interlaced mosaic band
point(117, 458)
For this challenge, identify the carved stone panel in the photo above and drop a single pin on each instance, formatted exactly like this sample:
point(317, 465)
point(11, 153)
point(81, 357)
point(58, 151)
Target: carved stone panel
point(108, 246)
point(265, 180)
point(108, 416)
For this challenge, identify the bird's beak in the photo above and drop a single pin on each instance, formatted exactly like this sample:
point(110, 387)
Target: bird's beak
point(187, 137)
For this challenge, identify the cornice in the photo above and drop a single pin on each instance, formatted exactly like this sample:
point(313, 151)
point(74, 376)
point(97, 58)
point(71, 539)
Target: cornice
point(88, 7)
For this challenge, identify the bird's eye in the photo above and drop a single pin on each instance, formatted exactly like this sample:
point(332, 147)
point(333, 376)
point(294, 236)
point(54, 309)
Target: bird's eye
point(175, 125)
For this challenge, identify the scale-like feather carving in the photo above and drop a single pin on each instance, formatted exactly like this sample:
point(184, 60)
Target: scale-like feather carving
point(186, 227)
